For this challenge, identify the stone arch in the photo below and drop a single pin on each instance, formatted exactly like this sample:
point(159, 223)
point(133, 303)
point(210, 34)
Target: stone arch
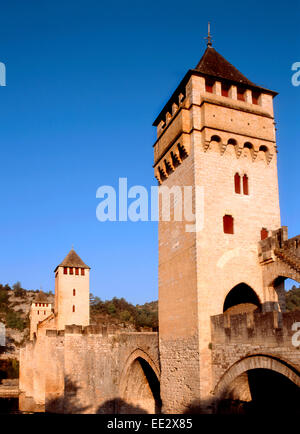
point(215, 138)
point(139, 387)
point(248, 149)
point(263, 148)
point(276, 290)
point(232, 142)
point(241, 298)
point(237, 383)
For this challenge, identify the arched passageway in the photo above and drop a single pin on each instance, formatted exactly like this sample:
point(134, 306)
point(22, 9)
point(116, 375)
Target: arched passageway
point(140, 389)
point(241, 298)
point(260, 391)
point(259, 384)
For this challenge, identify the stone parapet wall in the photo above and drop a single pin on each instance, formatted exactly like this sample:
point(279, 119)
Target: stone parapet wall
point(80, 370)
point(239, 337)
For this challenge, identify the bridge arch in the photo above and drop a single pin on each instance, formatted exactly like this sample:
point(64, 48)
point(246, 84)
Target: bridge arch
point(139, 387)
point(259, 383)
point(241, 298)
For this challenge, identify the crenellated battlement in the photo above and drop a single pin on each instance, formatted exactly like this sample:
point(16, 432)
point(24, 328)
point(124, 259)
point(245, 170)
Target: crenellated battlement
point(103, 330)
point(254, 328)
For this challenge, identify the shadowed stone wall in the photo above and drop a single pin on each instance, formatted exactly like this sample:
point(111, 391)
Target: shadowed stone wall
point(83, 371)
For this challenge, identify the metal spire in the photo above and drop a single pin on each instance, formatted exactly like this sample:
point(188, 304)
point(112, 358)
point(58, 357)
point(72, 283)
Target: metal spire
point(208, 37)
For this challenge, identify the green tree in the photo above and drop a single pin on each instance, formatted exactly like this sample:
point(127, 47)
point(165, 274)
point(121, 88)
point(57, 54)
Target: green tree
point(125, 315)
point(14, 321)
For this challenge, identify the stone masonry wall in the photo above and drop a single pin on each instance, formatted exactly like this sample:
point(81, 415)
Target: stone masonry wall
point(81, 370)
point(238, 337)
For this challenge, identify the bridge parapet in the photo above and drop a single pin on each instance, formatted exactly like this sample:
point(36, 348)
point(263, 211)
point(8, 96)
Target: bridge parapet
point(267, 247)
point(269, 329)
point(246, 338)
point(280, 258)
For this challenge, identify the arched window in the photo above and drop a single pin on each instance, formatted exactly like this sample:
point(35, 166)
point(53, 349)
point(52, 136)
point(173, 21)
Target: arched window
point(228, 224)
point(73, 308)
point(248, 145)
point(264, 233)
point(76, 271)
point(245, 185)
point(71, 270)
point(65, 270)
point(74, 292)
point(82, 271)
point(237, 183)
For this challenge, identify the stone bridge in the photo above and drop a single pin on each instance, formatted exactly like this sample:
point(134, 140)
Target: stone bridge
point(254, 357)
point(86, 370)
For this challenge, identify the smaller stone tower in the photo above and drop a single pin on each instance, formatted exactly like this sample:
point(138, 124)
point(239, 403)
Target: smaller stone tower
point(39, 311)
point(72, 292)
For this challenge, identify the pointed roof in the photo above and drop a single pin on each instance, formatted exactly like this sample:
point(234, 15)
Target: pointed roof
point(72, 260)
point(212, 63)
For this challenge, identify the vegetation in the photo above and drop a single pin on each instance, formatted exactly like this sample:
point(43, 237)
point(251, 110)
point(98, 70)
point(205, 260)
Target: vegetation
point(13, 319)
point(119, 309)
point(293, 298)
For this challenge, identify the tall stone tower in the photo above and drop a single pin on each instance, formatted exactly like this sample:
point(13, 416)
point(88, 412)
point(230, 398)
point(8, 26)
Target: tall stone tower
point(72, 304)
point(215, 132)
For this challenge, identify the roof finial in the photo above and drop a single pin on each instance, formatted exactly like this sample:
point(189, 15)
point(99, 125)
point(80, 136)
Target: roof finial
point(208, 37)
point(72, 246)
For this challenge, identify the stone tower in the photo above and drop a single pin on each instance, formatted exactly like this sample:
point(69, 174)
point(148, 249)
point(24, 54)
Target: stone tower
point(216, 132)
point(40, 310)
point(72, 304)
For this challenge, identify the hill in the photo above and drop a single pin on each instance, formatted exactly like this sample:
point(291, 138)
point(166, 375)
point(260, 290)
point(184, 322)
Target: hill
point(293, 298)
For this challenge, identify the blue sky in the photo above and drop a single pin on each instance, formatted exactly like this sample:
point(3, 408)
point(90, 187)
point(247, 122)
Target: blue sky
point(85, 80)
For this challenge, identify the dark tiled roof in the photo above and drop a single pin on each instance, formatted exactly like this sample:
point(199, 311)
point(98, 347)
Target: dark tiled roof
point(212, 63)
point(72, 260)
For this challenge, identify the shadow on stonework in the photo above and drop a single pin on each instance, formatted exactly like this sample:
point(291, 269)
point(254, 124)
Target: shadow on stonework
point(269, 392)
point(119, 406)
point(69, 402)
point(203, 407)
